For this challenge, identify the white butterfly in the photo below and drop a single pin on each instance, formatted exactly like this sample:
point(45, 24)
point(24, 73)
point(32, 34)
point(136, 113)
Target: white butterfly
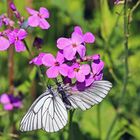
point(49, 110)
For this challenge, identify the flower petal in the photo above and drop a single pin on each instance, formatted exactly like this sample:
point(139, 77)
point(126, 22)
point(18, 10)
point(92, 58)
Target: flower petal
point(48, 60)
point(31, 11)
point(63, 69)
point(21, 34)
point(97, 66)
point(8, 107)
point(76, 38)
point(4, 45)
point(99, 76)
point(89, 37)
point(96, 57)
point(69, 53)
point(37, 60)
point(60, 57)
point(89, 80)
point(78, 30)
point(17, 104)
point(43, 24)
point(63, 42)
point(44, 12)
point(80, 77)
point(19, 46)
point(71, 73)
point(81, 49)
point(12, 36)
point(52, 72)
point(4, 99)
point(85, 69)
point(33, 21)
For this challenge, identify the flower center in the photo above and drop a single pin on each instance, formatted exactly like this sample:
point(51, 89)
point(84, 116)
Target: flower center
point(76, 69)
point(39, 15)
point(56, 64)
point(17, 39)
point(74, 45)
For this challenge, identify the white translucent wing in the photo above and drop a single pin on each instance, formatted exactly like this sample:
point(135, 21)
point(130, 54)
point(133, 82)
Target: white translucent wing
point(90, 96)
point(47, 112)
point(33, 118)
point(54, 115)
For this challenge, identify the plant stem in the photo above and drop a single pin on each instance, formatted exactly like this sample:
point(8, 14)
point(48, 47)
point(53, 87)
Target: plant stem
point(132, 10)
point(111, 127)
point(126, 71)
point(126, 35)
point(70, 125)
point(10, 55)
point(99, 121)
point(39, 69)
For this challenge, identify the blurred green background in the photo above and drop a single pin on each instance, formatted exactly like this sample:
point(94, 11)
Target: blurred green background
point(118, 116)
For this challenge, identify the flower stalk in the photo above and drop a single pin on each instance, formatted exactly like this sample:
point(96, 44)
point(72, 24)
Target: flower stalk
point(10, 55)
point(126, 71)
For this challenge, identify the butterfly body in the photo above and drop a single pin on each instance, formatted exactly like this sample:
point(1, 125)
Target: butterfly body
point(63, 94)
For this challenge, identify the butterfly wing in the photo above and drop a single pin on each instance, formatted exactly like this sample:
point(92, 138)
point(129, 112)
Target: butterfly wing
point(33, 118)
point(47, 112)
point(54, 115)
point(90, 96)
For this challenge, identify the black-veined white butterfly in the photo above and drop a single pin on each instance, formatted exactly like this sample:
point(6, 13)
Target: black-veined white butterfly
point(49, 110)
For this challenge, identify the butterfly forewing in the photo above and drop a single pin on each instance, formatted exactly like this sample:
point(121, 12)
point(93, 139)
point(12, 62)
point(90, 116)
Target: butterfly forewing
point(90, 96)
point(32, 119)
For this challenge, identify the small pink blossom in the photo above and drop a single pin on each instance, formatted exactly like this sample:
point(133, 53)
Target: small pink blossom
point(9, 101)
point(15, 37)
point(38, 60)
point(71, 46)
point(79, 71)
point(97, 70)
point(4, 20)
point(88, 37)
point(37, 18)
point(56, 65)
point(4, 45)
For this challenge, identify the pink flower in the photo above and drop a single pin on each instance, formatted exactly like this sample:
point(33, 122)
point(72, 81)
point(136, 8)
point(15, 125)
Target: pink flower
point(4, 45)
point(88, 37)
point(97, 70)
point(6, 21)
point(79, 71)
point(56, 65)
point(38, 18)
point(38, 60)
point(9, 101)
point(15, 37)
point(71, 46)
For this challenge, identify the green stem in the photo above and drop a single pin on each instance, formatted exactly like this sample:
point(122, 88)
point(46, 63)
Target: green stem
point(112, 71)
point(132, 10)
point(70, 124)
point(111, 127)
point(126, 35)
point(39, 69)
point(126, 71)
point(99, 121)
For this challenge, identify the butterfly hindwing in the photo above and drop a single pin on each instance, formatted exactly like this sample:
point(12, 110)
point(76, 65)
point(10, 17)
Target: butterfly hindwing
point(54, 115)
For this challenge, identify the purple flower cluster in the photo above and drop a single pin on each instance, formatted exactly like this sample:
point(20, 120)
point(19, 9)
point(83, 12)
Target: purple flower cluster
point(71, 61)
point(10, 102)
point(15, 35)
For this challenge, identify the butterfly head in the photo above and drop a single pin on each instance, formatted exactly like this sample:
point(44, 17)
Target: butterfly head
point(49, 86)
